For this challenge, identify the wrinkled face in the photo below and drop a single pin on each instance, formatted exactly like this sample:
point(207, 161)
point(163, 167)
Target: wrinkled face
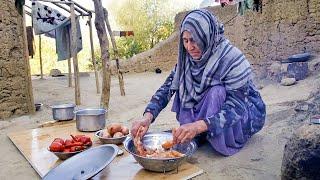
point(191, 46)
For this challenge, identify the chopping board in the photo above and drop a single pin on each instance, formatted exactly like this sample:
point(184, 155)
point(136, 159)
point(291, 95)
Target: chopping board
point(33, 145)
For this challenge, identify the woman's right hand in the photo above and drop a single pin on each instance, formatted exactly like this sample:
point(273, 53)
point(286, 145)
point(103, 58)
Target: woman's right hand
point(145, 121)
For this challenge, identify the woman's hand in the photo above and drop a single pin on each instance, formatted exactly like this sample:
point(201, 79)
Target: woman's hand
point(187, 132)
point(145, 121)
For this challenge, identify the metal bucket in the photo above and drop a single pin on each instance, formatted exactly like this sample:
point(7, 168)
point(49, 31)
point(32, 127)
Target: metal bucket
point(63, 112)
point(90, 119)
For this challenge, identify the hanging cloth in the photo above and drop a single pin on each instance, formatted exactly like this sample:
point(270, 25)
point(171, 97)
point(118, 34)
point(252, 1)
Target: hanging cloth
point(30, 40)
point(53, 24)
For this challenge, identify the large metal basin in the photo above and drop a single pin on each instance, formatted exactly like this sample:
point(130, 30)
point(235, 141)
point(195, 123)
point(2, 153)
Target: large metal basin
point(90, 119)
point(63, 112)
point(155, 140)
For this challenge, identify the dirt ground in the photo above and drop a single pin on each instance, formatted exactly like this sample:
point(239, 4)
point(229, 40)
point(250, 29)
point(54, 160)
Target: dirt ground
point(259, 159)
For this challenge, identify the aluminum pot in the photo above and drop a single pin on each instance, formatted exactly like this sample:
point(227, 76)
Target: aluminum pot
point(63, 112)
point(90, 119)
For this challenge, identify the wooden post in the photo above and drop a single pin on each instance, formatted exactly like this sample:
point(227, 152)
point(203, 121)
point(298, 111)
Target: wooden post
point(116, 53)
point(104, 45)
point(40, 58)
point(69, 68)
point(74, 55)
point(28, 83)
point(69, 73)
point(92, 55)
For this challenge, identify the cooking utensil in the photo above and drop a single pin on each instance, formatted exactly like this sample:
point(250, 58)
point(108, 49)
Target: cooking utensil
point(119, 140)
point(63, 112)
point(38, 106)
point(85, 164)
point(153, 141)
point(90, 119)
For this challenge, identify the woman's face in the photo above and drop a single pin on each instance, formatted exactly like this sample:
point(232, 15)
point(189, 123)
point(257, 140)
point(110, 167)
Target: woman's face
point(191, 46)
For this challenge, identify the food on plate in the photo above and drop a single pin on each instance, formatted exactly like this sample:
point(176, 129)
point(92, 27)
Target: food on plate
point(167, 144)
point(106, 134)
point(154, 153)
point(117, 134)
point(115, 130)
point(77, 143)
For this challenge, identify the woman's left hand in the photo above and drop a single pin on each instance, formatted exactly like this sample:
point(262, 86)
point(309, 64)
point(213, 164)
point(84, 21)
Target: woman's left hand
point(188, 131)
point(184, 133)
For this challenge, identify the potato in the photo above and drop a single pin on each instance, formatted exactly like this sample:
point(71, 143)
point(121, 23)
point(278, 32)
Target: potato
point(124, 130)
point(117, 135)
point(106, 134)
point(113, 128)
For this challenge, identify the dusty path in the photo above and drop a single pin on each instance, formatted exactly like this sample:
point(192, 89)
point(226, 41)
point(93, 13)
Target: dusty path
point(259, 159)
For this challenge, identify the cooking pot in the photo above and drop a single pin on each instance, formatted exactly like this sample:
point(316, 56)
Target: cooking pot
point(63, 112)
point(90, 119)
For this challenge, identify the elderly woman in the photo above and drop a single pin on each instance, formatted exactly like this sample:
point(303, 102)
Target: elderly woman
point(215, 97)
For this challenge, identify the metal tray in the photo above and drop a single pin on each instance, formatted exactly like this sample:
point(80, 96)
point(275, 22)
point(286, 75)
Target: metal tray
point(85, 164)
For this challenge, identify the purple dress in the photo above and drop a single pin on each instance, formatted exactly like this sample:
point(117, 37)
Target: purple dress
point(232, 117)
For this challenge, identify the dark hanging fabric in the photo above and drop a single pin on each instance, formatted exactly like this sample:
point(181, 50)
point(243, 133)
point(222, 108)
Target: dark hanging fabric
point(30, 40)
point(19, 5)
point(257, 5)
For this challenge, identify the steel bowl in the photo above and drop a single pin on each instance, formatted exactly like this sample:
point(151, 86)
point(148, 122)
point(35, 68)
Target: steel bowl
point(117, 141)
point(153, 141)
point(63, 112)
point(89, 120)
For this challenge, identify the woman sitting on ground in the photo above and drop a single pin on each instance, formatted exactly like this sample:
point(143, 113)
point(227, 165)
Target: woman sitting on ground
point(215, 97)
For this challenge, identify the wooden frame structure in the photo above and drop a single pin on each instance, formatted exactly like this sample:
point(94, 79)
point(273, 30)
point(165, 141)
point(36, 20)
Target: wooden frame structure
point(73, 9)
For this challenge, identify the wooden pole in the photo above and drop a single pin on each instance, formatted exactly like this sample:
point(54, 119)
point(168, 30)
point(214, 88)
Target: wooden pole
point(116, 52)
point(40, 58)
point(74, 55)
point(69, 68)
point(69, 73)
point(92, 55)
point(28, 83)
point(104, 45)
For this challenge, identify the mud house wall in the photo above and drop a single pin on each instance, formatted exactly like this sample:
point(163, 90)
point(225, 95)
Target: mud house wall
point(15, 96)
point(282, 29)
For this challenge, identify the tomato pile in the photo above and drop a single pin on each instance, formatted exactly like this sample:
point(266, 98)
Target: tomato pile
point(77, 143)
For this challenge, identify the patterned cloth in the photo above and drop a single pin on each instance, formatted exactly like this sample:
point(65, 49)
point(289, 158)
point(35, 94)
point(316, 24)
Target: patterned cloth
point(232, 110)
point(53, 24)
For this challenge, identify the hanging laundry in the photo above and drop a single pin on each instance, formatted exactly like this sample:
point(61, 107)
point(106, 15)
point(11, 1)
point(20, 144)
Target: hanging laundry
point(63, 40)
point(53, 24)
point(30, 40)
point(257, 5)
point(19, 5)
point(244, 6)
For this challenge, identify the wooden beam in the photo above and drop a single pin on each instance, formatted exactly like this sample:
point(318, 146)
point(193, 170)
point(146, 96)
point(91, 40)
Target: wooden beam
point(92, 55)
point(104, 46)
point(116, 52)
point(40, 58)
point(30, 100)
point(52, 1)
point(74, 55)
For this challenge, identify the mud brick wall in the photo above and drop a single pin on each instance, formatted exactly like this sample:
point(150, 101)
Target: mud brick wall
point(282, 29)
point(15, 97)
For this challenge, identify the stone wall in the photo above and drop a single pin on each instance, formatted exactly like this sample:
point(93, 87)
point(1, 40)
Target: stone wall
point(282, 29)
point(15, 82)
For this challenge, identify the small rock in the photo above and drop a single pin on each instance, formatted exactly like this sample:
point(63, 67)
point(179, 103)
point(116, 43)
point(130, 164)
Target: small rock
point(55, 72)
point(288, 81)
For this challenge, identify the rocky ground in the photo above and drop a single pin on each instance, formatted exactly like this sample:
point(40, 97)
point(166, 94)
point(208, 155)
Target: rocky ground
point(288, 107)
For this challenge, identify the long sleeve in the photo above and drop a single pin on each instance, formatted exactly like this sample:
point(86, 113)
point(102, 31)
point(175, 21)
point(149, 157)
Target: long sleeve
point(161, 98)
point(243, 104)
